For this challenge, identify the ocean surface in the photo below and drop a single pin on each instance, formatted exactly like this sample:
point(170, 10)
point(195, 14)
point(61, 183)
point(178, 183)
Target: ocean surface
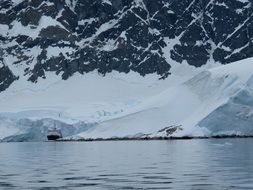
point(175, 164)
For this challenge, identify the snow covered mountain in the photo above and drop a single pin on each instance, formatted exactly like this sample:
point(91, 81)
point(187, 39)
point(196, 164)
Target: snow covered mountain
point(125, 67)
point(145, 36)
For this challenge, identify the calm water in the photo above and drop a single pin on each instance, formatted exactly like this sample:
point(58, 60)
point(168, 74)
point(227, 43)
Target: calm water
point(180, 164)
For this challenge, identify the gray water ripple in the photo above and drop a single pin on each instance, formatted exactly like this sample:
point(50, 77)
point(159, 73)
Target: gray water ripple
point(193, 164)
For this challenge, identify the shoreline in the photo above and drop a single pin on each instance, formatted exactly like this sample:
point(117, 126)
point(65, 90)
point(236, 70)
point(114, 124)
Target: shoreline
point(155, 138)
point(141, 139)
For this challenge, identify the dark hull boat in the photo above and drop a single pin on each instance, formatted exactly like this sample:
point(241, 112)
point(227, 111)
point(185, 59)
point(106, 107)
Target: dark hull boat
point(54, 135)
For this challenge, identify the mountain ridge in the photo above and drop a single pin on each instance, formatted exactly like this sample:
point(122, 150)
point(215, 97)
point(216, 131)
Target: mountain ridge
point(69, 36)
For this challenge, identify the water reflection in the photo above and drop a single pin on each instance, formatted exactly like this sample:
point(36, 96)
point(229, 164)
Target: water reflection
point(180, 164)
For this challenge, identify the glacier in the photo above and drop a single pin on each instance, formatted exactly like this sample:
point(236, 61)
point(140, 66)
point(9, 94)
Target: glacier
point(214, 102)
point(201, 102)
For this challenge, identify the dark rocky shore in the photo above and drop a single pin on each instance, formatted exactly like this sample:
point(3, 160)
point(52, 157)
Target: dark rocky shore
point(153, 138)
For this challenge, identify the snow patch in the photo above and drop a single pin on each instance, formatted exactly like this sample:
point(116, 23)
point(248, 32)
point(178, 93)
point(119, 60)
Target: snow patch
point(18, 29)
point(55, 51)
point(107, 2)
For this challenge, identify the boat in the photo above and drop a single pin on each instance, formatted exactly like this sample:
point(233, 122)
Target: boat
point(54, 134)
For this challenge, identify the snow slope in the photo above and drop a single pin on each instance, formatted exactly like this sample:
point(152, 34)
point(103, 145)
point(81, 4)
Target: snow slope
point(80, 101)
point(198, 106)
point(128, 105)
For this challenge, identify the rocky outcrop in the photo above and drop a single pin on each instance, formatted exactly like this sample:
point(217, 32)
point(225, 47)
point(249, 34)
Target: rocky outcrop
point(6, 77)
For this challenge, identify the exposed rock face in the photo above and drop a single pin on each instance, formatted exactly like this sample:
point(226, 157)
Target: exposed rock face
point(6, 76)
point(145, 36)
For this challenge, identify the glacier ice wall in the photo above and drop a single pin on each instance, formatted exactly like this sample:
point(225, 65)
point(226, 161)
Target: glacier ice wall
point(235, 116)
point(19, 130)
